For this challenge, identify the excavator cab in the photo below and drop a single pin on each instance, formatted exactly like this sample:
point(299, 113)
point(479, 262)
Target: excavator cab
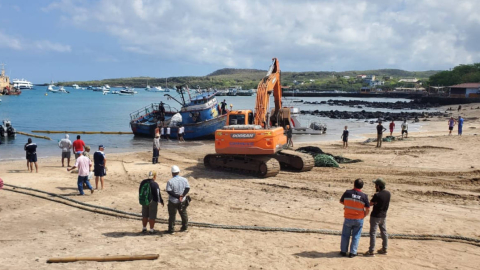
point(242, 117)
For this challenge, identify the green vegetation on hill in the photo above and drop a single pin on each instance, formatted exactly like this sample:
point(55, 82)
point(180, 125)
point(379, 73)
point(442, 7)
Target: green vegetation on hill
point(459, 74)
point(249, 78)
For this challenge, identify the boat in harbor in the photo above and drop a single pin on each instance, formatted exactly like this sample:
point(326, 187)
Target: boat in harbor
point(5, 87)
point(128, 91)
point(200, 116)
point(248, 92)
point(60, 90)
point(22, 84)
point(221, 92)
point(107, 86)
point(75, 86)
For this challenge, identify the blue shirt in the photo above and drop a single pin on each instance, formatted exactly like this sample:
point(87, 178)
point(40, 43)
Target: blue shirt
point(460, 122)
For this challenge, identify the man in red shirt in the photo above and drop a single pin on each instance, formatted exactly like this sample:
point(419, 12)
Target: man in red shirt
point(78, 147)
point(392, 127)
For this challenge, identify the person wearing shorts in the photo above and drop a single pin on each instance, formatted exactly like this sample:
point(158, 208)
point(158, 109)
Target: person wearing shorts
point(392, 127)
point(451, 124)
point(65, 144)
point(99, 168)
point(149, 212)
point(344, 137)
point(405, 129)
point(78, 147)
point(31, 149)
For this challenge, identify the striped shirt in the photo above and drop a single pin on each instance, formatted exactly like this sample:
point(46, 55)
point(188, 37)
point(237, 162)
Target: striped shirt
point(355, 202)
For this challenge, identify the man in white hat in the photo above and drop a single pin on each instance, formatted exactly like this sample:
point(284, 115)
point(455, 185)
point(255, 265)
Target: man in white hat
point(177, 189)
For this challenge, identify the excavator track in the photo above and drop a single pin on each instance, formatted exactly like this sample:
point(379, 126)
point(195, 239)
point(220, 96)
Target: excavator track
point(295, 161)
point(261, 166)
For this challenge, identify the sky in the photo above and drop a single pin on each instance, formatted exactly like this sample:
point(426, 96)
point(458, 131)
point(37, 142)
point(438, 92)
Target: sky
point(66, 40)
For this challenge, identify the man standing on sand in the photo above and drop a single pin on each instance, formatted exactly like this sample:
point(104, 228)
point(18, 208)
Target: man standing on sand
point(65, 144)
point(380, 130)
point(84, 165)
point(31, 149)
point(100, 163)
point(156, 149)
point(78, 147)
point(392, 127)
point(177, 189)
point(451, 124)
point(405, 128)
point(380, 202)
point(149, 212)
point(460, 125)
point(344, 137)
point(356, 208)
point(289, 136)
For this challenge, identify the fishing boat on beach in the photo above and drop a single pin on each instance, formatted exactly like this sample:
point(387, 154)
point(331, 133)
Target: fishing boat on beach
point(5, 87)
point(200, 116)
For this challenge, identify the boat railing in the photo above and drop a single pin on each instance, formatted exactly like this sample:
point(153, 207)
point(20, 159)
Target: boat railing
point(149, 109)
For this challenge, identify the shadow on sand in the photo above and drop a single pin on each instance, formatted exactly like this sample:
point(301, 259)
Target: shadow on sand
point(316, 254)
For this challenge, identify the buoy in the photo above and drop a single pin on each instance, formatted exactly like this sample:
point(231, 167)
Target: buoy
point(46, 94)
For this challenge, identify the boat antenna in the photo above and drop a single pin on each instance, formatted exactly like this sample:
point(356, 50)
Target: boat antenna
point(179, 89)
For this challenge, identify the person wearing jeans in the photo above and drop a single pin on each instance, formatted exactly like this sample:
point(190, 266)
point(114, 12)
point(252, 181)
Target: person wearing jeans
point(356, 207)
point(84, 165)
point(380, 202)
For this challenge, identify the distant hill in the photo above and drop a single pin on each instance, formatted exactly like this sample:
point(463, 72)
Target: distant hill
point(249, 78)
point(231, 71)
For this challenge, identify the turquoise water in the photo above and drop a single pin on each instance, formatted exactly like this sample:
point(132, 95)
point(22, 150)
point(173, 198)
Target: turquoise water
point(85, 110)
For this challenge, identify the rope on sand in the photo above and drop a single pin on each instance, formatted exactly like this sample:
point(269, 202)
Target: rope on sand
point(129, 215)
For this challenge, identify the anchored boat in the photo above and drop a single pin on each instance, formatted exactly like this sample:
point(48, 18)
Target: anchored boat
point(200, 116)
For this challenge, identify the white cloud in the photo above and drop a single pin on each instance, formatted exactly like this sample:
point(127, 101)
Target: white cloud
point(10, 42)
point(45, 45)
point(313, 35)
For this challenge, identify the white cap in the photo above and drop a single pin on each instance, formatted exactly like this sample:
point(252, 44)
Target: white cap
point(175, 169)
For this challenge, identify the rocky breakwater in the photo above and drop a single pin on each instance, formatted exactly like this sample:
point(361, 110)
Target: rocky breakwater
point(399, 105)
point(383, 116)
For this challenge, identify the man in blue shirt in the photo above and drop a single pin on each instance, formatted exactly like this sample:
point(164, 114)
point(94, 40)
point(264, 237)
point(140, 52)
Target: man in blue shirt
point(460, 125)
point(99, 168)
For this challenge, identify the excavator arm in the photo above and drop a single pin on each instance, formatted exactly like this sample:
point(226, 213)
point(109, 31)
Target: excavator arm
point(270, 83)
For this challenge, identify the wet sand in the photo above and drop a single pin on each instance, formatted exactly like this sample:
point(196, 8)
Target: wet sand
point(433, 178)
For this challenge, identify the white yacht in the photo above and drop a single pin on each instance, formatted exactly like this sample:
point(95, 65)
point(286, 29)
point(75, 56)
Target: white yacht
point(107, 86)
point(75, 86)
point(22, 84)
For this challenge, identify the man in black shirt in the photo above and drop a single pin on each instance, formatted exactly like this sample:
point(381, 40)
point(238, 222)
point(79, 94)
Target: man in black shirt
point(345, 137)
point(31, 150)
point(149, 212)
point(380, 202)
point(224, 105)
point(380, 130)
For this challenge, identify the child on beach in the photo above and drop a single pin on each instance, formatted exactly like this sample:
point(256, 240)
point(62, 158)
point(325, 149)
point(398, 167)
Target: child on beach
point(345, 137)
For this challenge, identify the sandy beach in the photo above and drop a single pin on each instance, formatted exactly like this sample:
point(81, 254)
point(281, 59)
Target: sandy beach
point(434, 180)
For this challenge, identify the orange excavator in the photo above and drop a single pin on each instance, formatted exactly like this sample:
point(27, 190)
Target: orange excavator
point(254, 142)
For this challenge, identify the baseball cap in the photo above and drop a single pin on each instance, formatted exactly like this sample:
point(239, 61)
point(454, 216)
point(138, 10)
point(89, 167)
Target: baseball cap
point(151, 174)
point(101, 146)
point(175, 169)
point(380, 182)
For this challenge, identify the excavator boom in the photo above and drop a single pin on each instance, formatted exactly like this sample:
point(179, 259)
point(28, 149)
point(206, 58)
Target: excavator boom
point(270, 83)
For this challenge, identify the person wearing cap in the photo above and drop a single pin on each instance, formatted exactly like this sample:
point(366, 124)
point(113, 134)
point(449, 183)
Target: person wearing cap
point(100, 163)
point(149, 212)
point(65, 144)
point(177, 189)
point(356, 208)
point(156, 149)
point(380, 202)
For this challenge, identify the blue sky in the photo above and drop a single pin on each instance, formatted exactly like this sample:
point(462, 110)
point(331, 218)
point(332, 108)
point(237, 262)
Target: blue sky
point(61, 40)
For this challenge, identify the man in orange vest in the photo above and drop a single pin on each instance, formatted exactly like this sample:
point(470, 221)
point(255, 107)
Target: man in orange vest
point(356, 208)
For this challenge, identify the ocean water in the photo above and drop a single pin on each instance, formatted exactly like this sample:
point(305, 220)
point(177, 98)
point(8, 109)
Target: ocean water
point(86, 110)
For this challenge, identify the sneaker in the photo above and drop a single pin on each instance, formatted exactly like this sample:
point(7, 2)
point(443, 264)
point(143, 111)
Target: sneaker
point(91, 191)
point(369, 254)
point(343, 254)
point(151, 232)
point(171, 232)
point(382, 251)
point(144, 230)
point(184, 229)
point(352, 255)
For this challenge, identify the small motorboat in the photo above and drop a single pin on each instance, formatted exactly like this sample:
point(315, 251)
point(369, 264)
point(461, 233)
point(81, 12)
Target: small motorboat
point(7, 130)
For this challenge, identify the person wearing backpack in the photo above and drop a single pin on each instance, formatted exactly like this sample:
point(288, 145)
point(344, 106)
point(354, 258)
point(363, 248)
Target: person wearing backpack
point(149, 196)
